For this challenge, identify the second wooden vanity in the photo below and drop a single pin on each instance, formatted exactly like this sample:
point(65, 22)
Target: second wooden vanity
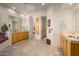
point(18, 36)
point(69, 46)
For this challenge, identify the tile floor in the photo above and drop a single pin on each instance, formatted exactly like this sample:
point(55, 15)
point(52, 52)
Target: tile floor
point(31, 48)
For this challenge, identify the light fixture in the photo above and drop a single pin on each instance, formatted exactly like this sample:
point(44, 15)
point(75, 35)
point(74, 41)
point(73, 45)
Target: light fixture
point(11, 11)
point(43, 3)
point(70, 3)
point(24, 13)
point(13, 8)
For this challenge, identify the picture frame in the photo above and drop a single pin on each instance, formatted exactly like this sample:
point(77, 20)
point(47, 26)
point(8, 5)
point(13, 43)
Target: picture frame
point(49, 22)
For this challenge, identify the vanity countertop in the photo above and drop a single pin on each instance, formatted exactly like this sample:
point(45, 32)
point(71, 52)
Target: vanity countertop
point(20, 32)
point(73, 37)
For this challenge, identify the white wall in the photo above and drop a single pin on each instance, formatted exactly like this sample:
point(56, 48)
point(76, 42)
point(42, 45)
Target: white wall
point(68, 18)
point(76, 11)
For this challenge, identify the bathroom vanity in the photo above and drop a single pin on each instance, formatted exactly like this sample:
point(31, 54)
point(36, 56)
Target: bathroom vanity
point(18, 36)
point(70, 44)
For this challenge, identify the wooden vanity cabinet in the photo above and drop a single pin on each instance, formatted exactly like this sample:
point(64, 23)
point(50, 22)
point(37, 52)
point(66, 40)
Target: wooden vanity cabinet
point(75, 49)
point(65, 46)
point(69, 48)
point(18, 36)
point(61, 43)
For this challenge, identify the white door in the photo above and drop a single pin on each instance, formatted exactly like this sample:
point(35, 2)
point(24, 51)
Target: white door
point(31, 28)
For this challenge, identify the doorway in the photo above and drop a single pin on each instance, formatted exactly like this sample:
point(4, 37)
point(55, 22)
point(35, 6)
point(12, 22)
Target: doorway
point(43, 27)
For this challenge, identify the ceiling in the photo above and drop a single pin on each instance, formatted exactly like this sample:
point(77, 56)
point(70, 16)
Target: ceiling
point(26, 8)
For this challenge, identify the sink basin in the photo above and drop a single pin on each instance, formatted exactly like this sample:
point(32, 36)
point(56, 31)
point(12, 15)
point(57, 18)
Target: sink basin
point(71, 36)
point(74, 37)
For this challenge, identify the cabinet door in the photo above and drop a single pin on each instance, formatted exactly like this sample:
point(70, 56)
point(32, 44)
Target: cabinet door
point(61, 43)
point(25, 35)
point(68, 48)
point(75, 49)
point(20, 36)
point(15, 37)
point(65, 47)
